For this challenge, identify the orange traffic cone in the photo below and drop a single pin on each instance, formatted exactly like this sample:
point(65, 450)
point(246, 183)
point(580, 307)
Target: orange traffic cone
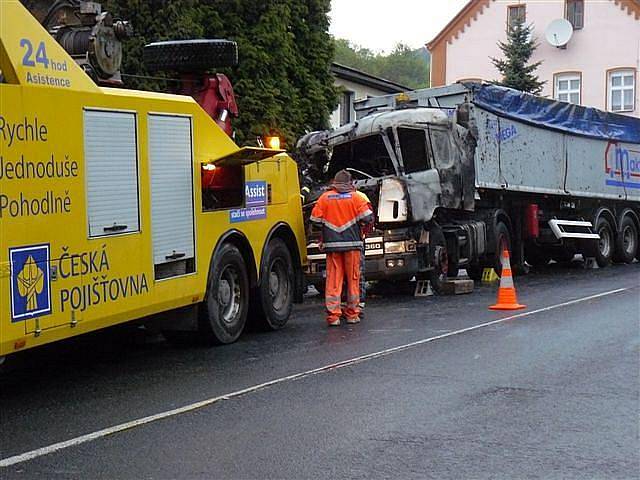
point(507, 299)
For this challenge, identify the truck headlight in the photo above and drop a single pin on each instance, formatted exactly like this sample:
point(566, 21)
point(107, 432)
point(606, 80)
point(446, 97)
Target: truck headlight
point(394, 247)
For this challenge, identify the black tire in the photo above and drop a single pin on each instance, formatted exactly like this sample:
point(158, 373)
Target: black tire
point(276, 287)
point(606, 244)
point(439, 259)
point(474, 272)
point(453, 267)
point(190, 56)
point(564, 255)
point(503, 240)
point(227, 300)
point(626, 245)
point(537, 257)
point(319, 286)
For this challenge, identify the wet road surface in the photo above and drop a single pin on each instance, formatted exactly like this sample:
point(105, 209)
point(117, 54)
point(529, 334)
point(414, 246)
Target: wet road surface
point(423, 388)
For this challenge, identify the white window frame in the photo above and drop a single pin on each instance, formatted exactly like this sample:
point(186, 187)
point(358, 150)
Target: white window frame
point(568, 77)
point(572, 16)
point(511, 19)
point(621, 73)
point(347, 98)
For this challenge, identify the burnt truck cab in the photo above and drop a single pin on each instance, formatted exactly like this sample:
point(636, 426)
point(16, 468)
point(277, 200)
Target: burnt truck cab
point(408, 164)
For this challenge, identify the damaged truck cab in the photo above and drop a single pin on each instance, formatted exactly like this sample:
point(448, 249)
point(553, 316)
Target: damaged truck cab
point(404, 161)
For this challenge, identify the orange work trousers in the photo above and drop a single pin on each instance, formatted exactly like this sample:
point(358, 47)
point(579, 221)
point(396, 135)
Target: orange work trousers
point(342, 266)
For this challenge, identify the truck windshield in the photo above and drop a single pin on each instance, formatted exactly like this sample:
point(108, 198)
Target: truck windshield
point(368, 154)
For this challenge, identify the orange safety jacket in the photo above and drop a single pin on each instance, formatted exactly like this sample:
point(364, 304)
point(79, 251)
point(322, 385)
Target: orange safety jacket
point(340, 215)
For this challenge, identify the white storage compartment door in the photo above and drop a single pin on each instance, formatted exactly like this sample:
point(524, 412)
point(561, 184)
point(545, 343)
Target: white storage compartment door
point(111, 163)
point(171, 163)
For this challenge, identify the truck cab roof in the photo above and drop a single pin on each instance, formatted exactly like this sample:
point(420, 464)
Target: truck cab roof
point(387, 119)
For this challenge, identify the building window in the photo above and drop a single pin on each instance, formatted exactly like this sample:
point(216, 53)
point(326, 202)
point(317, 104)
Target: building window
point(567, 87)
point(346, 107)
point(516, 14)
point(574, 12)
point(622, 90)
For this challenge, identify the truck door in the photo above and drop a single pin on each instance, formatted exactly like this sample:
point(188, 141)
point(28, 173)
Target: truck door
point(448, 164)
point(172, 212)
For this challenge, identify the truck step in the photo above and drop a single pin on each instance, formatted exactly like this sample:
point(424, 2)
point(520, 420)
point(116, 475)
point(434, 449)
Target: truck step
point(572, 229)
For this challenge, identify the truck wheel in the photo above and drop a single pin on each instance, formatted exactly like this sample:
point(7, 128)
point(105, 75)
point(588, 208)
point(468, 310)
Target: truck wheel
point(276, 285)
point(564, 255)
point(537, 257)
point(439, 260)
point(503, 240)
point(227, 298)
point(606, 242)
point(626, 245)
point(190, 56)
point(474, 272)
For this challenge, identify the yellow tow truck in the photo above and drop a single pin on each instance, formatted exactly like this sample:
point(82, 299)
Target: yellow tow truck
point(117, 205)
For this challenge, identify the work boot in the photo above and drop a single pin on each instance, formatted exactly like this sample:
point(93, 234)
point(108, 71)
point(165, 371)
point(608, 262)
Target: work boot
point(353, 320)
point(333, 323)
point(361, 307)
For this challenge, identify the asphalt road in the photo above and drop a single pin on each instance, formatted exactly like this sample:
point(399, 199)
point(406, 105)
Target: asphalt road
point(423, 388)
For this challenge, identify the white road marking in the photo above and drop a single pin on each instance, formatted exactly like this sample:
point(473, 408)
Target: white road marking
point(39, 452)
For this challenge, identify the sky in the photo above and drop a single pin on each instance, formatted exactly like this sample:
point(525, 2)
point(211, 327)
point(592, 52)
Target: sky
point(379, 24)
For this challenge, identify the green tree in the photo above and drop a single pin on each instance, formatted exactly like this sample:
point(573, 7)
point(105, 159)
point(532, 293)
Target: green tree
point(403, 65)
point(515, 68)
point(283, 82)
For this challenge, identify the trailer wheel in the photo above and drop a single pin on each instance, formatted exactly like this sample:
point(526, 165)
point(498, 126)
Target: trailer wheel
point(537, 257)
point(190, 56)
point(564, 255)
point(227, 299)
point(439, 260)
point(604, 252)
point(503, 240)
point(276, 285)
point(626, 245)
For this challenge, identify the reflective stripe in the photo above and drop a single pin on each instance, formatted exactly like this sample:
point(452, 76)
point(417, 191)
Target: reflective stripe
point(506, 281)
point(364, 214)
point(343, 244)
point(315, 219)
point(341, 228)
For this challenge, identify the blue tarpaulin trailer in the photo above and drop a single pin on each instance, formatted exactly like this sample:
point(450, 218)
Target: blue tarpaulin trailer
point(534, 144)
point(460, 172)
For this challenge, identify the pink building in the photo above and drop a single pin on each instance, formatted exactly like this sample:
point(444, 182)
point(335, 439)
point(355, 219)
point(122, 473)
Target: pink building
point(598, 67)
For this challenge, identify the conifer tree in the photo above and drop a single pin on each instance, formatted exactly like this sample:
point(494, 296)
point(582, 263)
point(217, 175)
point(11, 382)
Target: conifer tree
point(516, 71)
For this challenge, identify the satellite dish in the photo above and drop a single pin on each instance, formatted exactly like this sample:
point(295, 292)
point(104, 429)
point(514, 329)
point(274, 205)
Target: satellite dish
point(559, 32)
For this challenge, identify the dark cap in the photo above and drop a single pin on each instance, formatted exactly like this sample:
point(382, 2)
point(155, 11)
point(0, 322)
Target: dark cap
point(342, 176)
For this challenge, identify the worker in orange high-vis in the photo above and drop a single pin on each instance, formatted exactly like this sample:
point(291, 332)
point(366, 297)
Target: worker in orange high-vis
point(341, 212)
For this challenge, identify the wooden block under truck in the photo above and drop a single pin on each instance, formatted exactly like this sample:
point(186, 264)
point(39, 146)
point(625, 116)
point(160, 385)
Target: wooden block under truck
point(118, 205)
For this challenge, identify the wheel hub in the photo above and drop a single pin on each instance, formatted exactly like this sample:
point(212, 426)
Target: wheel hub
point(224, 293)
point(229, 294)
point(605, 242)
point(628, 240)
point(278, 284)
